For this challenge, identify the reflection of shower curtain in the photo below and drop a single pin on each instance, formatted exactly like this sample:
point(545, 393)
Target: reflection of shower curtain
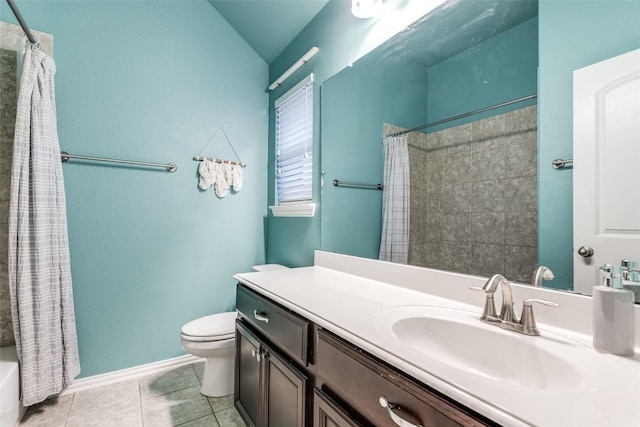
point(394, 242)
point(39, 270)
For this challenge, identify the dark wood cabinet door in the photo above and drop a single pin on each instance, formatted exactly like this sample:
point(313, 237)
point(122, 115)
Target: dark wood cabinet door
point(249, 376)
point(286, 392)
point(327, 413)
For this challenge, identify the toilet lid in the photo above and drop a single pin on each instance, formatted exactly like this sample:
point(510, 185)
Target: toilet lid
point(216, 326)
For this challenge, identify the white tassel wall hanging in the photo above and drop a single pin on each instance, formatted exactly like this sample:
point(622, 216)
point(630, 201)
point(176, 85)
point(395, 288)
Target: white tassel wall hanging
point(221, 174)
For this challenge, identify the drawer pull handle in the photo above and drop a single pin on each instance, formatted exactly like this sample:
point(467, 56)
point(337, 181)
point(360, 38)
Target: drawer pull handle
point(261, 316)
point(395, 417)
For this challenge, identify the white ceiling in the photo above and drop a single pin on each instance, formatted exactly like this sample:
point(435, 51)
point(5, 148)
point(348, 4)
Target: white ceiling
point(268, 26)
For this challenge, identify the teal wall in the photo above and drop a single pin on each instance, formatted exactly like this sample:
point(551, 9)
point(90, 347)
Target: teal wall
point(152, 81)
point(355, 104)
point(573, 34)
point(500, 69)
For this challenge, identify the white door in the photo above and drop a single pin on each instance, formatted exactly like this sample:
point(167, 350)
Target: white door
point(606, 168)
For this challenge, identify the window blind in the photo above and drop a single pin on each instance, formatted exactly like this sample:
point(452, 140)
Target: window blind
point(294, 143)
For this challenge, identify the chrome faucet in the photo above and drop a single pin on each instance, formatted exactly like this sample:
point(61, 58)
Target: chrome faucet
point(490, 287)
point(541, 273)
point(507, 318)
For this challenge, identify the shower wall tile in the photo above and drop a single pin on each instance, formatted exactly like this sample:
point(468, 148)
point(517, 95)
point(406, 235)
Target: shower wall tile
point(6, 153)
point(487, 164)
point(488, 227)
point(490, 128)
point(520, 263)
point(521, 155)
point(434, 227)
point(523, 119)
point(432, 252)
point(6, 327)
point(522, 193)
point(477, 190)
point(457, 257)
point(457, 227)
point(416, 254)
point(455, 197)
point(8, 101)
point(489, 143)
point(457, 168)
point(416, 163)
point(434, 201)
point(434, 173)
point(6, 333)
point(488, 196)
point(8, 94)
point(518, 231)
point(488, 259)
point(451, 141)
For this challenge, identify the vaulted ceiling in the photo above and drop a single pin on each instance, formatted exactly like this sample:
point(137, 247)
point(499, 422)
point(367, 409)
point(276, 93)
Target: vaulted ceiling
point(268, 26)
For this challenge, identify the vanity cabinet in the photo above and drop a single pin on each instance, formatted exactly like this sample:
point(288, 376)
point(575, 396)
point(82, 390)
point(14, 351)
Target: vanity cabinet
point(328, 413)
point(272, 351)
point(290, 372)
point(360, 384)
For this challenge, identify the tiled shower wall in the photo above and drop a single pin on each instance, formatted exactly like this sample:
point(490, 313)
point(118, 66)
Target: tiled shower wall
point(474, 196)
point(9, 36)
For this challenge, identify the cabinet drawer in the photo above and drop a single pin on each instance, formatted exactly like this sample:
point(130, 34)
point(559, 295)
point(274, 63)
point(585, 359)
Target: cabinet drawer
point(287, 330)
point(327, 413)
point(360, 381)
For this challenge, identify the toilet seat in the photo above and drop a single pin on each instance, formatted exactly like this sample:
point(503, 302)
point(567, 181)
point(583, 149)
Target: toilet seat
point(215, 327)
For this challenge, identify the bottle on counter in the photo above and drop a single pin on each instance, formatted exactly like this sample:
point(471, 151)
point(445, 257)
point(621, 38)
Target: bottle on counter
point(613, 322)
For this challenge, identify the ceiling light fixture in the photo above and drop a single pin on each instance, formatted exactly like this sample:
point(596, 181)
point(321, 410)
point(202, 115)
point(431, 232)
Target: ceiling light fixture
point(365, 8)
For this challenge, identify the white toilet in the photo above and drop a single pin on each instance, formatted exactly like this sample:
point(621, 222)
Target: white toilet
point(213, 338)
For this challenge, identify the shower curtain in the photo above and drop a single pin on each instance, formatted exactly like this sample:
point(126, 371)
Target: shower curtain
point(394, 242)
point(39, 269)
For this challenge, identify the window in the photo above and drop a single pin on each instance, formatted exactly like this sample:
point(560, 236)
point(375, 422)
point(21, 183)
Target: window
point(294, 151)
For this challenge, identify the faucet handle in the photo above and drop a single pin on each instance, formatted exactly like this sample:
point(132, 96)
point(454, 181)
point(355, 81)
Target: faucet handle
point(527, 320)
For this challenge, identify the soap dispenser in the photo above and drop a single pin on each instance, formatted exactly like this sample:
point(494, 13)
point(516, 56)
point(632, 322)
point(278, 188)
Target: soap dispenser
point(613, 323)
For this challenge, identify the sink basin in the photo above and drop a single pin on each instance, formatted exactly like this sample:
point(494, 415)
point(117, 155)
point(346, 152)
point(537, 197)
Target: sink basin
point(458, 339)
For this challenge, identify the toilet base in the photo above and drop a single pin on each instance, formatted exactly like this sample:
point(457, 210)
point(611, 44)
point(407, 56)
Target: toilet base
point(218, 378)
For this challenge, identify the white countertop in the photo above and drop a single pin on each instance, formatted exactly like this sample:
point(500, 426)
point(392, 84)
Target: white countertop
point(347, 294)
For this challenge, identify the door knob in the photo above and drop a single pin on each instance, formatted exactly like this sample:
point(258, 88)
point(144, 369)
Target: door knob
point(585, 251)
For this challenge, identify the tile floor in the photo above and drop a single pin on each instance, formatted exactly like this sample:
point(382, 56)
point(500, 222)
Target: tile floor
point(165, 399)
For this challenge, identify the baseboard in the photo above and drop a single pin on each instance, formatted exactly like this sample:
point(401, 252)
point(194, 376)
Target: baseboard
point(125, 374)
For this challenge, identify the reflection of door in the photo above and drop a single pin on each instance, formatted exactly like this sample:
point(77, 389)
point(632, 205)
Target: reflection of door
point(606, 171)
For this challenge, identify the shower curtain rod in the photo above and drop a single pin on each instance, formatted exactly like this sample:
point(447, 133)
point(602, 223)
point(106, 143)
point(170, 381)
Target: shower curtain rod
point(23, 24)
point(461, 116)
point(170, 167)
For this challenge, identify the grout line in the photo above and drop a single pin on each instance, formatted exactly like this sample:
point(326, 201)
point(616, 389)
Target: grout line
point(66, 418)
point(140, 402)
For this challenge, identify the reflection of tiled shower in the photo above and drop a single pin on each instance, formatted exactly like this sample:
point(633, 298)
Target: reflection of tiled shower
point(8, 103)
point(474, 196)
point(7, 122)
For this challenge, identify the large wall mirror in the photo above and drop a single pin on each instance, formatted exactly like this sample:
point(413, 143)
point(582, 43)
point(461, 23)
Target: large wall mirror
point(475, 181)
